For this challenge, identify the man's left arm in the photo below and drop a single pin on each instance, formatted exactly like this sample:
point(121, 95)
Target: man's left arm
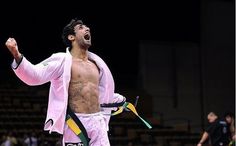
point(118, 98)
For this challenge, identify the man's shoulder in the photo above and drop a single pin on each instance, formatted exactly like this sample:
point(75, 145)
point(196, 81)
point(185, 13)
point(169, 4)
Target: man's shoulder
point(58, 55)
point(95, 56)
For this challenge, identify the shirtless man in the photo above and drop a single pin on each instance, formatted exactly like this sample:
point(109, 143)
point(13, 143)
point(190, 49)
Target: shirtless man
point(79, 79)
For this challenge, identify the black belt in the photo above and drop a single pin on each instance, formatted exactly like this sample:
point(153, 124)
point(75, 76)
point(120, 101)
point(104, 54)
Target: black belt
point(76, 126)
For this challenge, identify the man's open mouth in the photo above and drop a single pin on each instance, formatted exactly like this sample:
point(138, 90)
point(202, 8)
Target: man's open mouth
point(87, 36)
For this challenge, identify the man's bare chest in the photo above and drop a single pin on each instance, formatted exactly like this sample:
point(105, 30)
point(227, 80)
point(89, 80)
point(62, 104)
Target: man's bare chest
point(86, 71)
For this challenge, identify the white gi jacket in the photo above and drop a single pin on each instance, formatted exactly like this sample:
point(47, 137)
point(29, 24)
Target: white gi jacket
point(57, 70)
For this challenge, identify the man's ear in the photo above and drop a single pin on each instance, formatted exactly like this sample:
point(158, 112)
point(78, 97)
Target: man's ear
point(71, 37)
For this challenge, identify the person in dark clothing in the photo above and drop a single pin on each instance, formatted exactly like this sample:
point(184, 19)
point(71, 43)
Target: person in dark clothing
point(217, 132)
point(229, 117)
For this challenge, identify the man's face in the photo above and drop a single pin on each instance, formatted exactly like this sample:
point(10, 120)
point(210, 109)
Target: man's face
point(83, 36)
point(211, 117)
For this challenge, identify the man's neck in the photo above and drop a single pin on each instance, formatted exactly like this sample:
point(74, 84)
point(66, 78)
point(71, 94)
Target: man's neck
point(78, 53)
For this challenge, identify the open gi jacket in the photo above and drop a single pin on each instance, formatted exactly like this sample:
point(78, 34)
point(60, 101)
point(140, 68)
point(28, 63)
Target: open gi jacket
point(57, 70)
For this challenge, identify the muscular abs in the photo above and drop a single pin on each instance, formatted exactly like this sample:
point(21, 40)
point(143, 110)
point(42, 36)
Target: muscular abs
point(83, 89)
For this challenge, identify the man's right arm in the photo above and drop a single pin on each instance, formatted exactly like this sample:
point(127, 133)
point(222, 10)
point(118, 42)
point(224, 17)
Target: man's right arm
point(29, 73)
point(203, 139)
point(13, 48)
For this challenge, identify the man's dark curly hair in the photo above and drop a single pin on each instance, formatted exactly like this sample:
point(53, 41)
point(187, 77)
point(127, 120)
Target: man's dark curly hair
point(69, 30)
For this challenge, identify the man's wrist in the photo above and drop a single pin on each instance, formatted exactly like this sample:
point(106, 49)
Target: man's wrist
point(18, 57)
point(16, 62)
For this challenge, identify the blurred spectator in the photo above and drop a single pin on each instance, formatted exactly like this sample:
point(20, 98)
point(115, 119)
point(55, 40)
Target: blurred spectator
point(230, 119)
point(9, 140)
point(31, 140)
